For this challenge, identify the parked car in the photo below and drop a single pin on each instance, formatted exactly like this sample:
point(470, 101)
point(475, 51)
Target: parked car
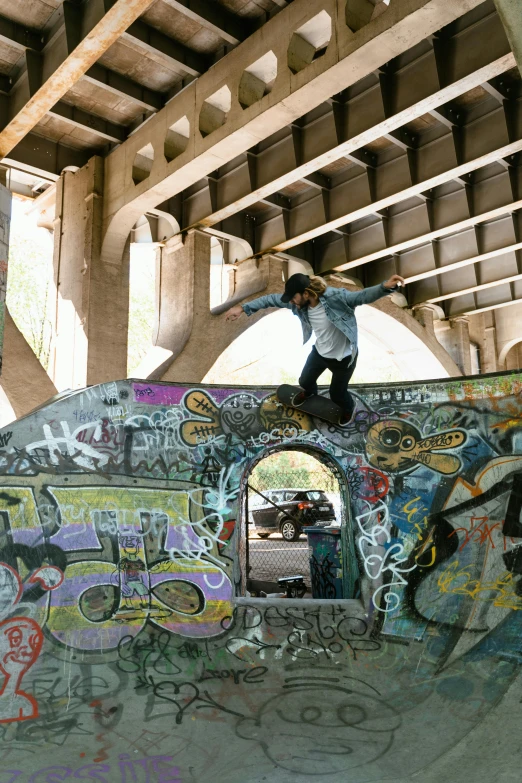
point(289, 510)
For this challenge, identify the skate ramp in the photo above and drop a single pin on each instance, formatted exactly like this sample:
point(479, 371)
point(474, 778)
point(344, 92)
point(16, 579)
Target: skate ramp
point(131, 650)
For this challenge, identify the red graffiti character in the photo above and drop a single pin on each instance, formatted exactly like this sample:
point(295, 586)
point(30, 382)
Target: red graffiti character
point(374, 486)
point(21, 641)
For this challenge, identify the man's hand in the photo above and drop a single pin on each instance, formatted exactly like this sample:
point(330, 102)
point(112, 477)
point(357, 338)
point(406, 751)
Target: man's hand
point(395, 280)
point(234, 313)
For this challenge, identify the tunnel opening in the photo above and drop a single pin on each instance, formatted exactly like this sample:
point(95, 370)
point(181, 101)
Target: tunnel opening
point(296, 531)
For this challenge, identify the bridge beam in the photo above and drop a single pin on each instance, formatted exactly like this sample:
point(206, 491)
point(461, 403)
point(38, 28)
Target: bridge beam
point(297, 89)
point(510, 11)
point(43, 83)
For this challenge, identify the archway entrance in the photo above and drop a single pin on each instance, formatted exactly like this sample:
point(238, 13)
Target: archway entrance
point(296, 512)
point(513, 356)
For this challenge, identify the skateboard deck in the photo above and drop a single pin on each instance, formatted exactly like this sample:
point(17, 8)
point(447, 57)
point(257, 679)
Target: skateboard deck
point(316, 405)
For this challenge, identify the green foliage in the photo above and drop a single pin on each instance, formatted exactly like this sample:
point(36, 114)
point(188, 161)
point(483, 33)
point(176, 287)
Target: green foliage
point(29, 283)
point(30, 289)
point(293, 469)
point(141, 304)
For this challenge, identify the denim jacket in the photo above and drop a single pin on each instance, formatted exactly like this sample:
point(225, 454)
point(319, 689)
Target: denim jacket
point(339, 305)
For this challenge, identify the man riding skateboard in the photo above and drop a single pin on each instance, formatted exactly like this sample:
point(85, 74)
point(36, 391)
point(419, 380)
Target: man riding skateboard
point(329, 313)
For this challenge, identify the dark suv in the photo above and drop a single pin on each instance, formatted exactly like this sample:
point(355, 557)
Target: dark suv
point(289, 510)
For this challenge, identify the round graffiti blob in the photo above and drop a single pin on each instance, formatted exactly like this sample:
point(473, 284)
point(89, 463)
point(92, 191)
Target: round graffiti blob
point(316, 728)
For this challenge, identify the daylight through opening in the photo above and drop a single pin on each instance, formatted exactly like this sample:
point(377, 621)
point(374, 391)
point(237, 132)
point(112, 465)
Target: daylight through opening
point(295, 520)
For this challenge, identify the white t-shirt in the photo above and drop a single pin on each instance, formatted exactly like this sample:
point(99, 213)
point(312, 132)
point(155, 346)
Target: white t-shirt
point(331, 343)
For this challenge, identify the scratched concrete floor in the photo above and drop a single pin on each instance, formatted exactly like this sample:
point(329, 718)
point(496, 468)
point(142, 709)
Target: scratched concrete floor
point(490, 753)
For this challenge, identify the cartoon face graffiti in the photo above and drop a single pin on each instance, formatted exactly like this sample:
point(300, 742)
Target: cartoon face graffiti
point(133, 572)
point(240, 415)
point(130, 544)
point(320, 729)
point(21, 641)
point(20, 644)
point(395, 445)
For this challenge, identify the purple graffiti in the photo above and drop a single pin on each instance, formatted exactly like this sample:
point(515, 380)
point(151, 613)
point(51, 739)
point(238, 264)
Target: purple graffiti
point(153, 769)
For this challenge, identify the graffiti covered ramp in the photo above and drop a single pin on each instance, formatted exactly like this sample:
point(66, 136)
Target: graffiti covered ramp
point(132, 649)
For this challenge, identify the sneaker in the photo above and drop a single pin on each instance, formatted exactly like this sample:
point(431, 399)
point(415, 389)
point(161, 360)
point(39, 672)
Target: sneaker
point(346, 419)
point(299, 398)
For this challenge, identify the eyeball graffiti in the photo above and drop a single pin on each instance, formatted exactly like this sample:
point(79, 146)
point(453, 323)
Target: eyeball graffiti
point(395, 445)
point(238, 415)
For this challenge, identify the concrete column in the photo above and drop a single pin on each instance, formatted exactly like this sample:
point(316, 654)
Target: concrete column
point(24, 380)
point(510, 12)
point(507, 331)
point(425, 315)
point(188, 337)
point(182, 288)
point(460, 329)
point(489, 351)
point(92, 299)
point(211, 334)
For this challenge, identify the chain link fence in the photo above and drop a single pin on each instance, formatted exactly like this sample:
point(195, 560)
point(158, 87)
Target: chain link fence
point(287, 491)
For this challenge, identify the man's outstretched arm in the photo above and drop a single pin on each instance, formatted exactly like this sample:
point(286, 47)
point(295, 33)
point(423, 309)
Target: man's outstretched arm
point(375, 292)
point(261, 303)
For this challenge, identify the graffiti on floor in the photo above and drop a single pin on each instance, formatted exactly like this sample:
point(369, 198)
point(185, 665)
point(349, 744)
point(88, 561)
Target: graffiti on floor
point(124, 583)
point(158, 769)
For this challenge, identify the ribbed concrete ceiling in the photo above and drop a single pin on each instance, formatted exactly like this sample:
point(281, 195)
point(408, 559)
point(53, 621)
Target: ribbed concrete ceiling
point(167, 47)
point(437, 198)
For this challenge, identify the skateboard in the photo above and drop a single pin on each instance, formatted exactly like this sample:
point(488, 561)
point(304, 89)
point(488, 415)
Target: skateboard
point(316, 405)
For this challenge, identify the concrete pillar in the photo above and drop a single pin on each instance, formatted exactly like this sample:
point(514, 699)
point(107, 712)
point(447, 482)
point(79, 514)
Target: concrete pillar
point(460, 328)
point(188, 337)
point(92, 299)
point(454, 337)
point(510, 12)
point(182, 288)
point(489, 351)
point(513, 359)
point(24, 380)
point(425, 315)
point(507, 331)
point(211, 334)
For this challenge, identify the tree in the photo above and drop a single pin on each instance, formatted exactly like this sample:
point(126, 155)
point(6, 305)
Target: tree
point(29, 283)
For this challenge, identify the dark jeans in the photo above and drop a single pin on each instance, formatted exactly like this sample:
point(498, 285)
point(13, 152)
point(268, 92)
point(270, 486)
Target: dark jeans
point(341, 371)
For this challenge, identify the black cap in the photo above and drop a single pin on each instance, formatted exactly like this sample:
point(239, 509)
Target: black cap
point(295, 285)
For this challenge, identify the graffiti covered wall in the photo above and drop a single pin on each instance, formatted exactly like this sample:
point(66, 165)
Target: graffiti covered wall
point(5, 223)
point(130, 649)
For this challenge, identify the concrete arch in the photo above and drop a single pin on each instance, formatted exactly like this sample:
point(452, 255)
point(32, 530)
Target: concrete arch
point(333, 467)
point(413, 346)
point(193, 352)
point(506, 349)
point(390, 330)
point(210, 337)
